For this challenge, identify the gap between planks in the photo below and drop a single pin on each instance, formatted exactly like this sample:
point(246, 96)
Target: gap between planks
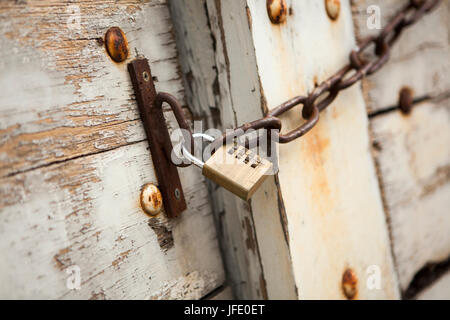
point(416, 102)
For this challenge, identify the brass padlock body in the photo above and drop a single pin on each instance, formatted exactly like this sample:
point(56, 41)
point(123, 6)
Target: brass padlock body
point(237, 169)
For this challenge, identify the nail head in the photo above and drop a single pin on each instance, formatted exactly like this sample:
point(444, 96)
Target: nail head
point(146, 76)
point(116, 44)
point(177, 194)
point(333, 8)
point(277, 10)
point(349, 284)
point(151, 199)
point(405, 100)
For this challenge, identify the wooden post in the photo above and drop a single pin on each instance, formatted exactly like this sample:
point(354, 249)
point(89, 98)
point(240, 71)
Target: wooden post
point(321, 220)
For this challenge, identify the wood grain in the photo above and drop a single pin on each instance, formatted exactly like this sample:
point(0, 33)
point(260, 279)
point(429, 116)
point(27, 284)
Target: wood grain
point(413, 157)
point(62, 96)
point(86, 212)
point(260, 263)
point(73, 160)
point(330, 216)
point(327, 178)
point(419, 59)
point(412, 152)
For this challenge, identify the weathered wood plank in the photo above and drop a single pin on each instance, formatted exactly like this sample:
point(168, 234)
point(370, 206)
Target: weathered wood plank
point(86, 213)
point(258, 272)
point(209, 35)
point(62, 96)
point(412, 152)
point(333, 205)
point(413, 157)
point(197, 58)
point(419, 59)
point(199, 39)
point(73, 160)
point(254, 66)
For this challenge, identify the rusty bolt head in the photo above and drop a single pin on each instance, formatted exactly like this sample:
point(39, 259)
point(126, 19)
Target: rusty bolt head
point(333, 8)
point(405, 100)
point(151, 199)
point(277, 10)
point(349, 284)
point(116, 44)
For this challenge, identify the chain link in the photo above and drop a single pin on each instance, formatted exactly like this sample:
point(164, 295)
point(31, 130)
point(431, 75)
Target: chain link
point(346, 77)
point(357, 68)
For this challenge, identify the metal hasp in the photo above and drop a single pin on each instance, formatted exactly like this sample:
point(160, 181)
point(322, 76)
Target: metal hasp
point(158, 137)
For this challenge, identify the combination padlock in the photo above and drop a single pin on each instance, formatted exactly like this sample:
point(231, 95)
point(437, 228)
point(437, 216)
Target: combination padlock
point(233, 167)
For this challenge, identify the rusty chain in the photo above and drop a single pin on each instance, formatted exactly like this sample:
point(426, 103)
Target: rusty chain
point(328, 90)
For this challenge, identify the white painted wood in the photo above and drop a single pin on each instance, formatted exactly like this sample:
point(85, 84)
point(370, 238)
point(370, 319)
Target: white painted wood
point(414, 162)
point(264, 268)
point(86, 212)
point(327, 179)
point(439, 290)
point(226, 48)
point(203, 59)
point(412, 152)
point(196, 56)
point(73, 159)
point(333, 206)
point(74, 100)
point(419, 59)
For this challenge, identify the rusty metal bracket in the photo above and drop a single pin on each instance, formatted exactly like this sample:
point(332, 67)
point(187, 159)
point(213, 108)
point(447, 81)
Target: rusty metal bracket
point(158, 137)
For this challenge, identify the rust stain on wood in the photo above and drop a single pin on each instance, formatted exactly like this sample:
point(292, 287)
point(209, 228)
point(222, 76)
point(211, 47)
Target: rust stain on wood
point(315, 148)
point(62, 260)
point(98, 296)
point(120, 259)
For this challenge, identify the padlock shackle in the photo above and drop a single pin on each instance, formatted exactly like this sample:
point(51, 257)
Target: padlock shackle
point(197, 162)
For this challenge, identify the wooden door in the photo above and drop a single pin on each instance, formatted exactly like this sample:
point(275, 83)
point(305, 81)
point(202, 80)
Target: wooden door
point(358, 210)
point(365, 193)
point(74, 158)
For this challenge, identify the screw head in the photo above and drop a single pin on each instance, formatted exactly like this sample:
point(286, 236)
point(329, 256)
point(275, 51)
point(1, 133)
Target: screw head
point(146, 76)
point(277, 10)
point(177, 193)
point(349, 284)
point(333, 8)
point(116, 44)
point(151, 199)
